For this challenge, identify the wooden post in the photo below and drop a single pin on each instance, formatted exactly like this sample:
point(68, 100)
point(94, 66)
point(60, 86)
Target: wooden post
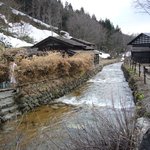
point(132, 64)
point(144, 69)
point(134, 67)
point(139, 69)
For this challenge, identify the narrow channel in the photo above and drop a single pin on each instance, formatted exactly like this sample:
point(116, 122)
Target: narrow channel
point(104, 93)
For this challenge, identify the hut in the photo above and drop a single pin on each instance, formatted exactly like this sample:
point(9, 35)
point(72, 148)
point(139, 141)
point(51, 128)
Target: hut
point(140, 51)
point(64, 45)
point(60, 44)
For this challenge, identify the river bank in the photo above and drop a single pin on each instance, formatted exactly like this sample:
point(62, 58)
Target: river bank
point(46, 91)
point(142, 101)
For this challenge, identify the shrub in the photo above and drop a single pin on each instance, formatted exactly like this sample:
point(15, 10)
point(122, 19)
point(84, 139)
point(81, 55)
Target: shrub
point(14, 53)
point(52, 65)
point(93, 129)
point(110, 132)
point(80, 63)
point(26, 38)
point(4, 72)
point(139, 96)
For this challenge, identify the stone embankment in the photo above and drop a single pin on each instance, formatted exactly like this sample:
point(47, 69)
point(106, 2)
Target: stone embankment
point(141, 93)
point(43, 92)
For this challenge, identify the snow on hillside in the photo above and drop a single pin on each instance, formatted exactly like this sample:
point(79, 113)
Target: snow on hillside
point(24, 29)
point(14, 42)
point(4, 18)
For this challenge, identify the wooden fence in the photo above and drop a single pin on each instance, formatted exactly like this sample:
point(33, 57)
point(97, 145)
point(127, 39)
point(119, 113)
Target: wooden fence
point(142, 70)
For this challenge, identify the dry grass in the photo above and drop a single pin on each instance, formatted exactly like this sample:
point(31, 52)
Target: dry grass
point(14, 53)
point(3, 68)
point(53, 65)
point(4, 72)
point(5, 56)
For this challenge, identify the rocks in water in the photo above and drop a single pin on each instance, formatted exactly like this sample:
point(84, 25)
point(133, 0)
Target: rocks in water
point(55, 106)
point(145, 144)
point(58, 105)
point(143, 125)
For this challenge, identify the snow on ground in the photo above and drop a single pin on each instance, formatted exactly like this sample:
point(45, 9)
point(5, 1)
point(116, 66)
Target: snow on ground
point(23, 29)
point(39, 35)
point(14, 42)
point(16, 12)
point(104, 55)
point(4, 18)
point(1, 3)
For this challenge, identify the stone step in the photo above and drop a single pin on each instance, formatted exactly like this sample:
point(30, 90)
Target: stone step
point(11, 116)
point(8, 102)
point(7, 110)
point(6, 94)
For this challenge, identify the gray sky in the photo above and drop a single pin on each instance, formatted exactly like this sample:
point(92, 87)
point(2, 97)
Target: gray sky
point(120, 12)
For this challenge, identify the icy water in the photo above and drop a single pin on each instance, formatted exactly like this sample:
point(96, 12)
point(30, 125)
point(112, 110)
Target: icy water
point(107, 94)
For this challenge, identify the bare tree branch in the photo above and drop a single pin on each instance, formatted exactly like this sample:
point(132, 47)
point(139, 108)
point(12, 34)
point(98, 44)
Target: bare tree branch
point(144, 5)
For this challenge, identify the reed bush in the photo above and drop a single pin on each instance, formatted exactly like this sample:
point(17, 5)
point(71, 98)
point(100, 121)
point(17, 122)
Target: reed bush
point(4, 72)
point(4, 69)
point(80, 63)
point(52, 65)
point(105, 132)
point(95, 130)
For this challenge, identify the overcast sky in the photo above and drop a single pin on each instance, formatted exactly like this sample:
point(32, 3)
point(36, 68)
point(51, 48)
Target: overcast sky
point(120, 12)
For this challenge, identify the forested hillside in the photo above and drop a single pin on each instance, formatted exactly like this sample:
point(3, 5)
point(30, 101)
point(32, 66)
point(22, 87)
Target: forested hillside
point(78, 23)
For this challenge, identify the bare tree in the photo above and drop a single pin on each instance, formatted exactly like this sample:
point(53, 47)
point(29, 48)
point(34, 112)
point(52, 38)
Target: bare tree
point(144, 5)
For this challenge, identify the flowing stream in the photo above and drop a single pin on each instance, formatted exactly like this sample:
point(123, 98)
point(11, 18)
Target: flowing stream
point(102, 94)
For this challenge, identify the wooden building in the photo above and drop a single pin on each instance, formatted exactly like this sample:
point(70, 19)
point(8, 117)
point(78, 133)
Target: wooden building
point(140, 51)
point(61, 44)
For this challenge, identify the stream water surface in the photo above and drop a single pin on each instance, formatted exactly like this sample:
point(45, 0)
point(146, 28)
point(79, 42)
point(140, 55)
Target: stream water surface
point(107, 94)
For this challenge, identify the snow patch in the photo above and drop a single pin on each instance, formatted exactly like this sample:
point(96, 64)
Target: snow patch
point(26, 29)
point(104, 55)
point(23, 29)
point(16, 12)
point(14, 42)
point(4, 18)
point(65, 34)
point(1, 3)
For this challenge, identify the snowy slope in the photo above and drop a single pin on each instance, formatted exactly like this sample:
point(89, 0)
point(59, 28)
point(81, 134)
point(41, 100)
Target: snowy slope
point(24, 29)
point(13, 42)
